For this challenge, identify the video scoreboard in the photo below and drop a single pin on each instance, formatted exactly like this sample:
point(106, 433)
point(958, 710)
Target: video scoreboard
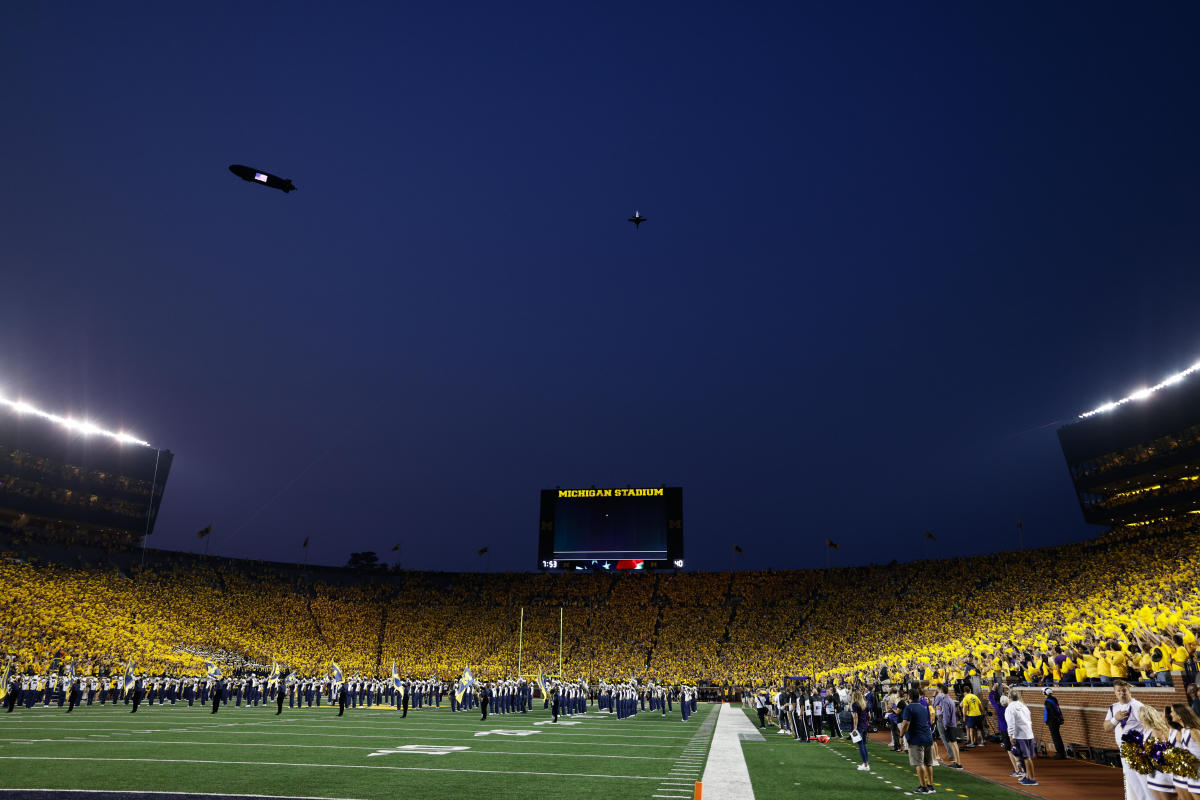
point(608, 529)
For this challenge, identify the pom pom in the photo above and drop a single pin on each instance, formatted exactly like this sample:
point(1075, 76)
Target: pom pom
point(1133, 750)
point(1180, 762)
point(1155, 751)
point(1136, 758)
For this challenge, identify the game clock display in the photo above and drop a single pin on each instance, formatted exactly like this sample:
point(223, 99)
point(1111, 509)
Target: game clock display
point(611, 529)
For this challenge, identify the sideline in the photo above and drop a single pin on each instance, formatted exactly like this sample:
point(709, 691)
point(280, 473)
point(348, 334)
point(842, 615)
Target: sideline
point(725, 774)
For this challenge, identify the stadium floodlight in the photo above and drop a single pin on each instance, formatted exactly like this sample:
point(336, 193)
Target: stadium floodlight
point(85, 427)
point(1144, 392)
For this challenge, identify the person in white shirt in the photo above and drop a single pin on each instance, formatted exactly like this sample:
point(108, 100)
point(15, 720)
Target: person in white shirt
point(1020, 731)
point(783, 701)
point(1122, 717)
point(760, 703)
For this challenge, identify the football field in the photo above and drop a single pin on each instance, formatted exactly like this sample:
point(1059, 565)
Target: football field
point(371, 754)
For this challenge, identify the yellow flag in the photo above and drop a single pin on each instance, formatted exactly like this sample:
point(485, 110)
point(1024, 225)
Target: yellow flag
point(467, 681)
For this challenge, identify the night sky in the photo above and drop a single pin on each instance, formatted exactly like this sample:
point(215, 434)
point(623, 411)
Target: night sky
point(891, 248)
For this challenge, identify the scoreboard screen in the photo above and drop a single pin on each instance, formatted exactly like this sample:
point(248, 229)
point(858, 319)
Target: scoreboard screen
point(607, 529)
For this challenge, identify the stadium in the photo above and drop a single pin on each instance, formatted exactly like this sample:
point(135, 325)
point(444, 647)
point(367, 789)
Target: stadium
point(357, 444)
point(99, 622)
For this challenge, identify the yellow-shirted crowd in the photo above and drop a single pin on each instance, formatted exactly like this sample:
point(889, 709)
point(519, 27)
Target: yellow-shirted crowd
point(1123, 606)
point(1117, 607)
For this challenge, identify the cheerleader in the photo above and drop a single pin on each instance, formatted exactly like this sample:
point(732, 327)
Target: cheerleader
point(1162, 784)
point(1185, 734)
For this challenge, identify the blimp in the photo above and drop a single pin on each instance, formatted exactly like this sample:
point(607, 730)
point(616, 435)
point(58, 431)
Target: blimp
point(265, 178)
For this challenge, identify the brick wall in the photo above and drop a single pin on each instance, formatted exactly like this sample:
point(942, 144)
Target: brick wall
point(1084, 710)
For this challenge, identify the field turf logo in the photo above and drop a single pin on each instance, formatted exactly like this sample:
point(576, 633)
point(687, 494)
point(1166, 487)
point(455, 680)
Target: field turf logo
point(422, 749)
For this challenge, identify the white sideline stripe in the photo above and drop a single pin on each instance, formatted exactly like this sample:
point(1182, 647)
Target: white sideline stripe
point(725, 774)
point(151, 791)
point(326, 747)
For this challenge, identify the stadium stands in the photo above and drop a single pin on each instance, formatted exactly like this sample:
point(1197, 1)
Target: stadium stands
point(1111, 607)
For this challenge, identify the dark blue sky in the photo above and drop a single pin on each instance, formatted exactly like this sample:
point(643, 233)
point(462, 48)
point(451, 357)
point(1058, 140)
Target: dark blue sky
point(889, 247)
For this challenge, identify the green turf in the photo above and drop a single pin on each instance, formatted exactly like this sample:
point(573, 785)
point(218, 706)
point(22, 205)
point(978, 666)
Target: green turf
point(781, 767)
point(313, 753)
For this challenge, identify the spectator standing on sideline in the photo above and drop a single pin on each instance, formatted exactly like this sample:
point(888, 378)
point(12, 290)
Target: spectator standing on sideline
point(914, 726)
point(972, 708)
point(1020, 730)
point(947, 724)
point(1053, 717)
point(862, 725)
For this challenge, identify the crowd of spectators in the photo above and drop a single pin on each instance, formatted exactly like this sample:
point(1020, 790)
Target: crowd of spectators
point(1092, 612)
point(1126, 605)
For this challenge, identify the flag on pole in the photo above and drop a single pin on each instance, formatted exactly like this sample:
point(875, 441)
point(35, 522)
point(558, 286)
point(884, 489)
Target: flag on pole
point(395, 547)
point(128, 680)
point(337, 673)
point(4, 680)
point(305, 545)
point(481, 551)
point(737, 549)
point(930, 536)
point(212, 670)
point(830, 543)
point(273, 678)
point(397, 684)
point(467, 681)
point(542, 682)
point(205, 531)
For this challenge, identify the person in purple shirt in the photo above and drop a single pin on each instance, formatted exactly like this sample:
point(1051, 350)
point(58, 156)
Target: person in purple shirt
point(1058, 660)
point(947, 724)
point(995, 696)
point(893, 721)
point(861, 726)
point(998, 697)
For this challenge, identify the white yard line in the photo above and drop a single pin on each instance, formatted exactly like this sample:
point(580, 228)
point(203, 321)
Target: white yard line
point(680, 782)
point(725, 774)
point(335, 766)
point(359, 748)
point(148, 725)
point(395, 735)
